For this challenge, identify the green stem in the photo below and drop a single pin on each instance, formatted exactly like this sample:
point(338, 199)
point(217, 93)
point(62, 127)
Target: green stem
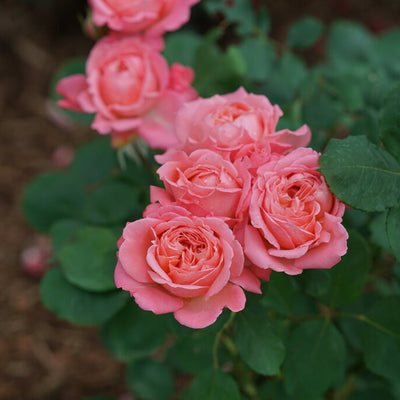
point(218, 339)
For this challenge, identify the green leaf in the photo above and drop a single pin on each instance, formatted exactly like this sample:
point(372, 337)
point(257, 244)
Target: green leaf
point(378, 229)
point(216, 71)
point(349, 41)
point(70, 67)
point(316, 281)
point(213, 385)
point(181, 47)
point(134, 333)
point(305, 32)
point(88, 259)
point(273, 390)
point(314, 359)
point(192, 353)
point(367, 125)
point(286, 78)
point(390, 122)
point(94, 161)
point(112, 202)
point(51, 197)
point(380, 337)
point(280, 295)
point(361, 174)
point(259, 55)
point(349, 276)
point(322, 112)
point(150, 380)
point(393, 230)
point(258, 344)
point(61, 233)
point(76, 305)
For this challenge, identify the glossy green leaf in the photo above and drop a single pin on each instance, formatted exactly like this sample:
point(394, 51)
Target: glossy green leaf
point(380, 337)
point(150, 380)
point(258, 345)
point(134, 333)
point(76, 305)
point(361, 174)
point(212, 385)
point(305, 32)
point(315, 357)
point(347, 278)
point(51, 197)
point(88, 259)
point(390, 122)
point(393, 230)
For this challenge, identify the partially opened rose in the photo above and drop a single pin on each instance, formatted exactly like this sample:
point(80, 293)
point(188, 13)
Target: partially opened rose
point(130, 88)
point(172, 261)
point(153, 16)
point(295, 221)
point(228, 122)
point(206, 180)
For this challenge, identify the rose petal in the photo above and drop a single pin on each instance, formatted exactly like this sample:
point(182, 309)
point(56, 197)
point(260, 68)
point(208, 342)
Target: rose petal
point(198, 312)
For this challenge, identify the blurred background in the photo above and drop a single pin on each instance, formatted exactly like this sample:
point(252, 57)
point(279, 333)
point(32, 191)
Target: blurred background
point(40, 356)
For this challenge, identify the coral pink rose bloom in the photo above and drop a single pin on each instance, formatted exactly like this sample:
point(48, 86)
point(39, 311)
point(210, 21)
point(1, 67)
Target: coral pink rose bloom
point(206, 180)
point(295, 221)
point(226, 123)
point(134, 16)
point(172, 261)
point(130, 88)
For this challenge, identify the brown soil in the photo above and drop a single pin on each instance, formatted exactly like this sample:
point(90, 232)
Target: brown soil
point(42, 357)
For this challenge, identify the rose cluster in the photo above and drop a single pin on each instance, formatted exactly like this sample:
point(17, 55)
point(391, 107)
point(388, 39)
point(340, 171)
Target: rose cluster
point(240, 198)
point(128, 84)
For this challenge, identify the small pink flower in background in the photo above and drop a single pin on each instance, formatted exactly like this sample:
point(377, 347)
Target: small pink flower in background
point(129, 87)
point(153, 16)
point(294, 219)
point(62, 156)
point(35, 258)
point(228, 122)
point(172, 261)
point(206, 180)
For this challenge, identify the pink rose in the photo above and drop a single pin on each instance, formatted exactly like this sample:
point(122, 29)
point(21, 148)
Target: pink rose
point(154, 16)
point(295, 221)
point(172, 261)
point(226, 123)
point(206, 180)
point(129, 87)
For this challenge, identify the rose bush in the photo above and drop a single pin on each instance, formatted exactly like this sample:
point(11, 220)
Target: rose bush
point(295, 221)
point(154, 16)
point(130, 87)
point(172, 261)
